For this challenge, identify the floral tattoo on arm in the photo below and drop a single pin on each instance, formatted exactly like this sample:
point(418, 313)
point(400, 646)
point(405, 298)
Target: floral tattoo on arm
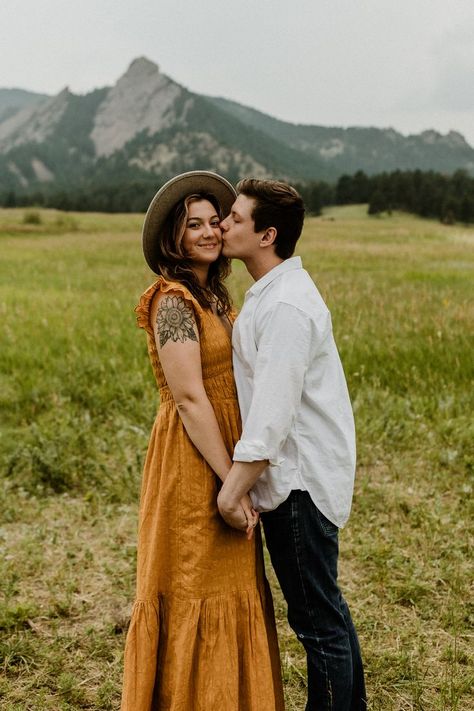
point(175, 321)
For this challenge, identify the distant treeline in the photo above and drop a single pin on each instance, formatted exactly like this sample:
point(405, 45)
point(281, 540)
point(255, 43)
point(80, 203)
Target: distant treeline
point(449, 198)
point(132, 196)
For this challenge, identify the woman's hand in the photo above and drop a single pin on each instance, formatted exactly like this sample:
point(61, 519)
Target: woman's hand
point(241, 515)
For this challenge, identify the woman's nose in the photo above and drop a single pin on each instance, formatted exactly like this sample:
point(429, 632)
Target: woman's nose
point(209, 230)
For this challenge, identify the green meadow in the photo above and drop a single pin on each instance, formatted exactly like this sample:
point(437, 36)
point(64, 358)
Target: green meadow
point(77, 401)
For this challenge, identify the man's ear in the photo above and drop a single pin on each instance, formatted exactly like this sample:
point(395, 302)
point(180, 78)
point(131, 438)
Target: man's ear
point(268, 238)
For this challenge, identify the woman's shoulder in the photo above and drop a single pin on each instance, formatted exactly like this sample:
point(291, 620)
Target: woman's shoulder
point(160, 289)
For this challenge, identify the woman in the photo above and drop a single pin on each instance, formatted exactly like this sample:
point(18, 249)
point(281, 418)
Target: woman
point(202, 634)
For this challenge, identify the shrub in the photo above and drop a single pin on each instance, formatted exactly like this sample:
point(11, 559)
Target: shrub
point(32, 217)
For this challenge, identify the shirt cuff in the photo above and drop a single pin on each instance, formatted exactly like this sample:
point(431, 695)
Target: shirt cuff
point(255, 451)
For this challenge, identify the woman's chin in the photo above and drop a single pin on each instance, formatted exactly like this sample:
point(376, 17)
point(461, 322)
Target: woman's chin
point(206, 258)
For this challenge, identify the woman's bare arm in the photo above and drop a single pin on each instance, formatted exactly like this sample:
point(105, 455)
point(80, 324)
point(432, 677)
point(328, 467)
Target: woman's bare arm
point(177, 341)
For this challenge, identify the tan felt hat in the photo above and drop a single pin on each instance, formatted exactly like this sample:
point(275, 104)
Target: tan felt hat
point(196, 181)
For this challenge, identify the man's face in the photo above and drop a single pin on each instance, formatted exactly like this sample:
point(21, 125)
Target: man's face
point(240, 241)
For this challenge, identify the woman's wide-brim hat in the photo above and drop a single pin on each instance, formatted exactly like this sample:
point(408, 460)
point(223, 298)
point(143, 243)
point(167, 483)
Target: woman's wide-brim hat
point(179, 187)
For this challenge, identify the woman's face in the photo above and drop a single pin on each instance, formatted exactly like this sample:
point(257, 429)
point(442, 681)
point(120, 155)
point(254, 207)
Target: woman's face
point(202, 239)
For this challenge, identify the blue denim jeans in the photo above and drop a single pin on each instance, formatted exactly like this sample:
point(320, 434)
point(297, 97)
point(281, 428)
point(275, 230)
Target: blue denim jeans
point(303, 547)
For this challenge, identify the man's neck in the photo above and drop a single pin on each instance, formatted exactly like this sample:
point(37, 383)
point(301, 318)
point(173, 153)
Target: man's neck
point(258, 267)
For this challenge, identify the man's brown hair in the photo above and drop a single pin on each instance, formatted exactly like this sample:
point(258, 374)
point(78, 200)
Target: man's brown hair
point(277, 205)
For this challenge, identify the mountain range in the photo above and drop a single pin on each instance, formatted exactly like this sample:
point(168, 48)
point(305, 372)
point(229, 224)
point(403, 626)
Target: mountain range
point(149, 127)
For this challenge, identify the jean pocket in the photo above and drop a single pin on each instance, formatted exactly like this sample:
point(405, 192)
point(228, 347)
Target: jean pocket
point(327, 527)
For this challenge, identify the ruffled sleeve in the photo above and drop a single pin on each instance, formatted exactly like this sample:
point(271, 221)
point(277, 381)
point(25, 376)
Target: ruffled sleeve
point(163, 286)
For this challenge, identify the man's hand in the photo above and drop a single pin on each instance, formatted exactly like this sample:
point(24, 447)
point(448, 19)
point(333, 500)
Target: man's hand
point(251, 515)
point(234, 502)
point(240, 515)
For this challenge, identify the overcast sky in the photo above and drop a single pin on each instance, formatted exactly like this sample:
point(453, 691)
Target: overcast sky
point(408, 64)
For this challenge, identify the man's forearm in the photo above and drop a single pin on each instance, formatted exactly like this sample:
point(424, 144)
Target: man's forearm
point(238, 482)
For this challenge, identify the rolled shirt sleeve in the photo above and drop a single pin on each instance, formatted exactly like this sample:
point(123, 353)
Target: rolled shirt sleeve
point(284, 347)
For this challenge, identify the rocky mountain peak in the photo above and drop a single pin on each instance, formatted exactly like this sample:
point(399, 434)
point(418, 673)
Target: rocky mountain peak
point(456, 139)
point(141, 68)
point(34, 123)
point(430, 136)
point(452, 139)
point(142, 99)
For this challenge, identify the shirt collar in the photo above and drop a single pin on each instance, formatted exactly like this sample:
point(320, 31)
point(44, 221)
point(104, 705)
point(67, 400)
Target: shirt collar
point(286, 266)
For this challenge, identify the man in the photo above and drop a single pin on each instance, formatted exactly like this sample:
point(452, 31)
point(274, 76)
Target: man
point(297, 449)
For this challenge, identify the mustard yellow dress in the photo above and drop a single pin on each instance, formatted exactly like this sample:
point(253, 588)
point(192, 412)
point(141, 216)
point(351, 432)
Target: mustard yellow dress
point(202, 634)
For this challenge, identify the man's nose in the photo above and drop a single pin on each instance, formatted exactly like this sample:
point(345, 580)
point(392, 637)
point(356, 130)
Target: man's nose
point(223, 224)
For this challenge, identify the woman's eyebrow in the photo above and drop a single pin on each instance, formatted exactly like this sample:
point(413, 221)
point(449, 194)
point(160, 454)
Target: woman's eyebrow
point(200, 219)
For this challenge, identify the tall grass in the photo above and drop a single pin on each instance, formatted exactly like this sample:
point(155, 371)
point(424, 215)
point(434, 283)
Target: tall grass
point(77, 400)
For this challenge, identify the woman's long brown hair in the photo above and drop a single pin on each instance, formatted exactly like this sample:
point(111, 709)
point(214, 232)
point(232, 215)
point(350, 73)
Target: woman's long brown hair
point(173, 265)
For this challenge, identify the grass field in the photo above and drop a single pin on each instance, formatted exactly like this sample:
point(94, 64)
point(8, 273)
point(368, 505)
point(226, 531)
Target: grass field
point(77, 401)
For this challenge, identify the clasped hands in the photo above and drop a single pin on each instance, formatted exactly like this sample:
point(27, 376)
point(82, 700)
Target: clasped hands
point(240, 515)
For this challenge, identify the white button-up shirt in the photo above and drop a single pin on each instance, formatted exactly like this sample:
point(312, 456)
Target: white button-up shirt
point(293, 395)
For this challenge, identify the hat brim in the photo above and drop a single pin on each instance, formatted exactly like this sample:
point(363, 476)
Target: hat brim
point(196, 181)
